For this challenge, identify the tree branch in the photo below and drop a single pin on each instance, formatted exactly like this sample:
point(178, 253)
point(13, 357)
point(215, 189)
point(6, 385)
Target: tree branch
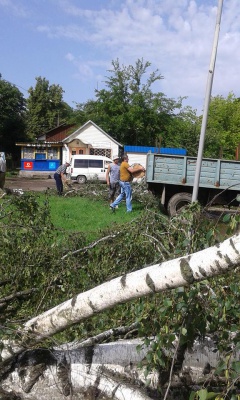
point(83, 249)
point(17, 295)
point(113, 332)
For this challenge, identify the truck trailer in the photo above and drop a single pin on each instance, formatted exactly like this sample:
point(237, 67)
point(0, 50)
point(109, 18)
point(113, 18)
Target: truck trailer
point(171, 178)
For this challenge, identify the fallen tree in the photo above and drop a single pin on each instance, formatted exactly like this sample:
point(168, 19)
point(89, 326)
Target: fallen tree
point(147, 296)
point(165, 276)
point(110, 370)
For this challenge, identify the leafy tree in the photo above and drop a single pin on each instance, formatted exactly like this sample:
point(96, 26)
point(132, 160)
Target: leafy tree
point(78, 116)
point(182, 130)
point(46, 108)
point(128, 108)
point(12, 116)
point(223, 128)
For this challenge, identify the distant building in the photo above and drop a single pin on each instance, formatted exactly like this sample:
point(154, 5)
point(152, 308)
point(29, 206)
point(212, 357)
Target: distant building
point(90, 139)
point(48, 151)
point(44, 155)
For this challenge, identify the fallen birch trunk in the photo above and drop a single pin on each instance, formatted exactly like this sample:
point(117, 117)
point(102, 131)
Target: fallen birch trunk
point(182, 271)
point(109, 370)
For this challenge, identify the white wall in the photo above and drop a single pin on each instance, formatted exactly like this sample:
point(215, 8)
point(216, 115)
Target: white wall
point(98, 139)
point(136, 158)
point(65, 154)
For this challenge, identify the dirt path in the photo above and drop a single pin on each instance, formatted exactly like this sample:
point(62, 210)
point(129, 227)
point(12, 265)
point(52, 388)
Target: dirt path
point(28, 184)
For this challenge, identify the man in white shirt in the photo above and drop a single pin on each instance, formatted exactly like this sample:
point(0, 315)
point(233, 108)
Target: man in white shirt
point(60, 177)
point(112, 178)
point(2, 169)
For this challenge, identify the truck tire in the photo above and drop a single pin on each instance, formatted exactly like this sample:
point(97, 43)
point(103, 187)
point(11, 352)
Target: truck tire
point(177, 202)
point(81, 179)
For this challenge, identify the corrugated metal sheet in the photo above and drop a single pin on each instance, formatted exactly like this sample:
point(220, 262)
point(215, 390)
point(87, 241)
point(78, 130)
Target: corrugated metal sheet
point(180, 170)
point(161, 150)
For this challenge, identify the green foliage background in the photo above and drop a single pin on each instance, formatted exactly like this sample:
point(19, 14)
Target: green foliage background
point(12, 116)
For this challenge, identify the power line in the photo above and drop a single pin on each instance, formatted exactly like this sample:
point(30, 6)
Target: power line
point(19, 87)
point(15, 85)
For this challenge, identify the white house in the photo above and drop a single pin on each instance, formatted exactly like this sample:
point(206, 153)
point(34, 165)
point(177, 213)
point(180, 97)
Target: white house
point(90, 139)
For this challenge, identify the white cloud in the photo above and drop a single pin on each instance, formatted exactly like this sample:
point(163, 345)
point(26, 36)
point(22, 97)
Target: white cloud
point(15, 9)
point(69, 57)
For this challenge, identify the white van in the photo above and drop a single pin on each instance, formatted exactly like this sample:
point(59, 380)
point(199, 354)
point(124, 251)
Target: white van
point(86, 167)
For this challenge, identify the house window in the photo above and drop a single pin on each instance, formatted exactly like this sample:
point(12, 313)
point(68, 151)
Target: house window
point(74, 152)
point(28, 152)
point(101, 152)
point(80, 151)
point(52, 154)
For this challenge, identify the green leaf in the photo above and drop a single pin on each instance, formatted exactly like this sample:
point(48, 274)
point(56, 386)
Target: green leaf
point(212, 395)
point(236, 366)
point(192, 396)
point(184, 331)
point(226, 218)
point(210, 233)
point(202, 394)
point(222, 366)
point(167, 303)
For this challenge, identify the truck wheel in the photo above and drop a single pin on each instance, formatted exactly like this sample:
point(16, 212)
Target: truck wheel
point(177, 202)
point(81, 179)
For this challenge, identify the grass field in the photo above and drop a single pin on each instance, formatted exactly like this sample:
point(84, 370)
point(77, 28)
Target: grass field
point(80, 214)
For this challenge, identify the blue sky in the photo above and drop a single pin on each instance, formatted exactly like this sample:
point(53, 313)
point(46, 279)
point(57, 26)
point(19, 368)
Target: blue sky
point(72, 43)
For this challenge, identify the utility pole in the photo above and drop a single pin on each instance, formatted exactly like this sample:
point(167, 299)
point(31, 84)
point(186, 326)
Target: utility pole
point(206, 103)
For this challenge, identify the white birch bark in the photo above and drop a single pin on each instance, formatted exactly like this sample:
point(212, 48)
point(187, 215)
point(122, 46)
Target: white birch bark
point(182, 271)
point(82, 383)
point(111, 387)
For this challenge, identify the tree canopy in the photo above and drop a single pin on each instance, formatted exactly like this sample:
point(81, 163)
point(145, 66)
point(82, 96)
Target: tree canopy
point(45, 107)
point(12, 116)
point(182, 131)
point(129, 109)
point(223, 127)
